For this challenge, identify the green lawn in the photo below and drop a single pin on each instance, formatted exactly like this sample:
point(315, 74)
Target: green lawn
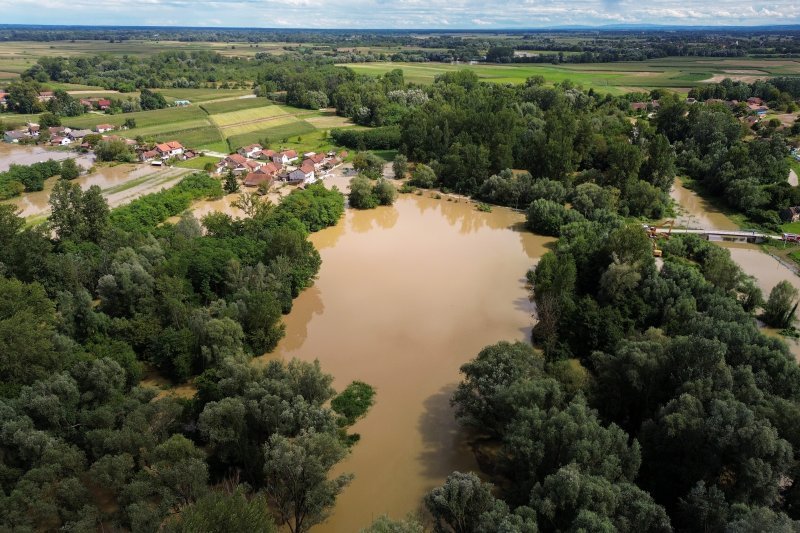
point(197, 163)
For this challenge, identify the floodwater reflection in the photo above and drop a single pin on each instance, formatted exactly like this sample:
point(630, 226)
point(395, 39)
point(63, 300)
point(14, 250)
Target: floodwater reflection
point(404, 297)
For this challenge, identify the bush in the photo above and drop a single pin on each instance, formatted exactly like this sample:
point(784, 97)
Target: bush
point(354, 401)
point(385, 192)
point(423, 176)
point(546, 217)
point(316, 206)
point(362, 194)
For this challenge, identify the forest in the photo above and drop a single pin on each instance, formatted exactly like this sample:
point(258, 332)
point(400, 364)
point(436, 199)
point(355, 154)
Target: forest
point(96, 300)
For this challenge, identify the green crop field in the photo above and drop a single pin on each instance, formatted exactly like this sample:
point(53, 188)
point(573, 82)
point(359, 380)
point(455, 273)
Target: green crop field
point(161, 129)
point(217, 107)
point(615, 78)
point(275, 134)
point(246, 116)
point(144, 119)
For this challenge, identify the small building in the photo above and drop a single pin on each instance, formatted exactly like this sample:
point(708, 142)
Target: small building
point(307, 168)
point(254, 179)
point(249, 151)
point(58, 130)
point(182, 103)
point(103, 104)
point(290, 155)
point(15, 136)
point(638, 106)
point(60, 141)
point(46, 96)
point(33, 129)
point(148, 155)
point(169, 149)
point(77, 135)
point(755, 100)
point(296, 176)
point(102, 128)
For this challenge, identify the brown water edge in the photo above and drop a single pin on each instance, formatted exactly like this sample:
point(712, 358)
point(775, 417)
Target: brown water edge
point(406, 295)
point(106, 177)
point(697, 212)
point(768, 272)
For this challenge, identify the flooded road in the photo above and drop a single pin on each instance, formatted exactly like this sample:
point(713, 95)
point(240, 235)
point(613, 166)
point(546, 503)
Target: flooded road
point(120, 183)
point(405, 296)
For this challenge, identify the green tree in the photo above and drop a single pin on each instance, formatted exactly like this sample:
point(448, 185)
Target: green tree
point(400, 166)
point(385, 192)
point(224, 512)
point(362, 194)
point(423, 176)
point(49, 120)
point(66, 210)
point(231, 184)
point(297, 480)
point(458, 505)
point(69, 169)
point(779, 311)
point(151, 100)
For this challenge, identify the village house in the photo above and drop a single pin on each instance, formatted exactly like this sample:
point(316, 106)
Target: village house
point(296, 176)
point(169, 149)
point(638, 106)
point(755, 100)
point(58, 130)
point(237, 164)
point(3, 100)
point(46, 96)
point(182, 103)
point(77, 135)
point(60, 141)
point(285, 157)
point(149, 155)
point(254, 179)
point(103, 104)
point(15, 136)
point(250, 151)
point(307, 168)
point(33, 129)
point(102, 128)
point(267, 154)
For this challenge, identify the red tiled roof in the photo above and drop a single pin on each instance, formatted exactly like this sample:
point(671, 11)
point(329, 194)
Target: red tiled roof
point(291, 154)
point(317, 158)
point(307, 167)
point(254, 179)
point(237, 159)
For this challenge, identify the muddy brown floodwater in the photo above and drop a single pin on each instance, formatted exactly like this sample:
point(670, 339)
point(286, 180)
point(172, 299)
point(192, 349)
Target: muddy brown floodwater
point(698, 213)
point(406, 295)
point(120, 183)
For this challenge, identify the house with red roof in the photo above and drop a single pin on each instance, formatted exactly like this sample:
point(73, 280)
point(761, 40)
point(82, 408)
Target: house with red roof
point(250, 150)
point(103, 104)
point(45, 96)
point(169, 149)
point(254, 179)
point(307, 168)
point(149, 155)
point(102, 128)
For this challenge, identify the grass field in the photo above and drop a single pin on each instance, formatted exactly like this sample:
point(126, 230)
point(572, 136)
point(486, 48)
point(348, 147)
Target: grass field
point(226, 106)
point(242, 116)
point(617, 78)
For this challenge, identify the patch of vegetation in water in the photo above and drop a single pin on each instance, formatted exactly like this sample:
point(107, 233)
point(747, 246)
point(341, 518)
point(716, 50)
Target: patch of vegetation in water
point(353, 402)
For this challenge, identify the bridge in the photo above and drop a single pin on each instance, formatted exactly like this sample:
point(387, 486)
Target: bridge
point(740, 235)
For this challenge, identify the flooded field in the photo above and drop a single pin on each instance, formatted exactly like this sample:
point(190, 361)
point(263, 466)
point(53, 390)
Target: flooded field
point(405, 296)
point(120, 183)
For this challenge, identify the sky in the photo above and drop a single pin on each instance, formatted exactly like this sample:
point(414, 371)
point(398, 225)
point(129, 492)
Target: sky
point(399, 14)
